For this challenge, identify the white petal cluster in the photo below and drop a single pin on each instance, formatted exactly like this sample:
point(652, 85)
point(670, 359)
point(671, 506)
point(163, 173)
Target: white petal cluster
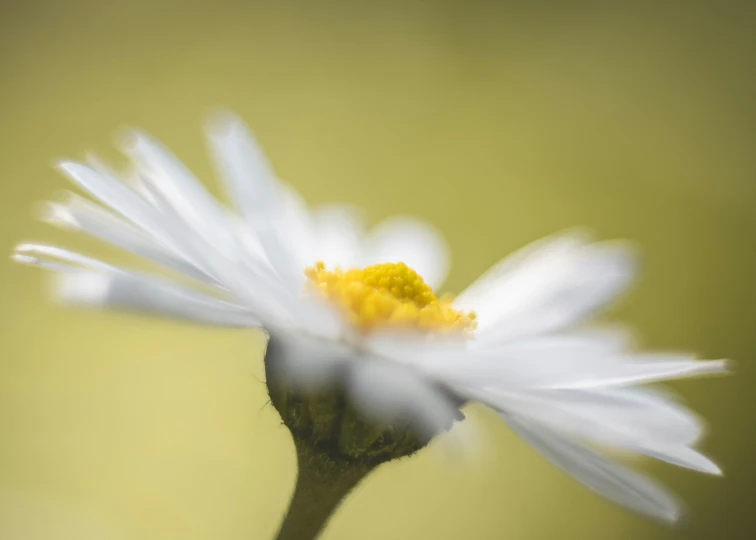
point(565, 388)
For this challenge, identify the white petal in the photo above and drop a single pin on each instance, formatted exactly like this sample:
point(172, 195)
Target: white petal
point(249, 241)
point(247, 175)
point(606, 478)
point(181, 190)
point(597, 372)
point(411, 241)
point(595, 278)
point(117, 196)
point(634, 420)
point(519, 365)
point(79, 214)
point(565, 362)
point(38, 251)
point(535, 256)
point(383, 392)
point(167, 226)
point(617, 420)
point(196, 248)
point(649, 415)
point(131, 292)
point(274, 212)
point(605, 340)
point(638, 369)
point(552, 286)
point(537, 365)
point(446, 360)
point(283, 257)
point(30, 260)
point(288, 238)
point(339, 231)
point(683, 456)
point(260, 298)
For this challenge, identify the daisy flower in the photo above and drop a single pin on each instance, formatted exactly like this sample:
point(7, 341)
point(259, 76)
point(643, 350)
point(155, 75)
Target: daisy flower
point(365, 363)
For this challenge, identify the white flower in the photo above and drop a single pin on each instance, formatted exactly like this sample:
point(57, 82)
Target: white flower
point(564, 389)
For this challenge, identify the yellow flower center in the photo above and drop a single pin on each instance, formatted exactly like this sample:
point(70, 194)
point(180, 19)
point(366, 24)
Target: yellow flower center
point(389, 295)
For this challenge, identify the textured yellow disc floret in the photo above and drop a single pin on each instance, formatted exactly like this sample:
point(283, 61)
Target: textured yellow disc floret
point(389, 295)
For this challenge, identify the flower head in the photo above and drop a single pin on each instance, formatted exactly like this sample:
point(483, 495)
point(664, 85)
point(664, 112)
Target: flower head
point(353, 316)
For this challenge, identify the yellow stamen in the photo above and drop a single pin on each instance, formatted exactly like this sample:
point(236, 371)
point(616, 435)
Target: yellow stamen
point(389, 295)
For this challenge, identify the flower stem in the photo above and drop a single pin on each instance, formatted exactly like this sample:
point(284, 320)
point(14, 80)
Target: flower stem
point(322, 483)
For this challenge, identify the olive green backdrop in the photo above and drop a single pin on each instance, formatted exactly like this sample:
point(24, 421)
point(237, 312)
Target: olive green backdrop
point(498, 123)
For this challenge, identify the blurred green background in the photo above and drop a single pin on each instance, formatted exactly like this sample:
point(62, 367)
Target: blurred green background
point(499, 123)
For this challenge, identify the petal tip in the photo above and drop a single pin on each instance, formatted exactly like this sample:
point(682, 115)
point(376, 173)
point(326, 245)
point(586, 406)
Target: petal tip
point(24, 247)
point(79, 288)
point(129, 139)
point(727, 366)
point(66, 166)
point(54, 213)
point(22, 259)
point(221, 120)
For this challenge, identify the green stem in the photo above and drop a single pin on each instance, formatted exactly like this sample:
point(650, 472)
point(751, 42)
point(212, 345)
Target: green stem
point(322, 483)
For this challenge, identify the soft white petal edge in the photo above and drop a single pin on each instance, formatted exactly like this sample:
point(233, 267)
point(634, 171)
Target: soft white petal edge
point(611, 480)
point(130, 292)
point(547, 286)
point(626, 419)
point(246, 173)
